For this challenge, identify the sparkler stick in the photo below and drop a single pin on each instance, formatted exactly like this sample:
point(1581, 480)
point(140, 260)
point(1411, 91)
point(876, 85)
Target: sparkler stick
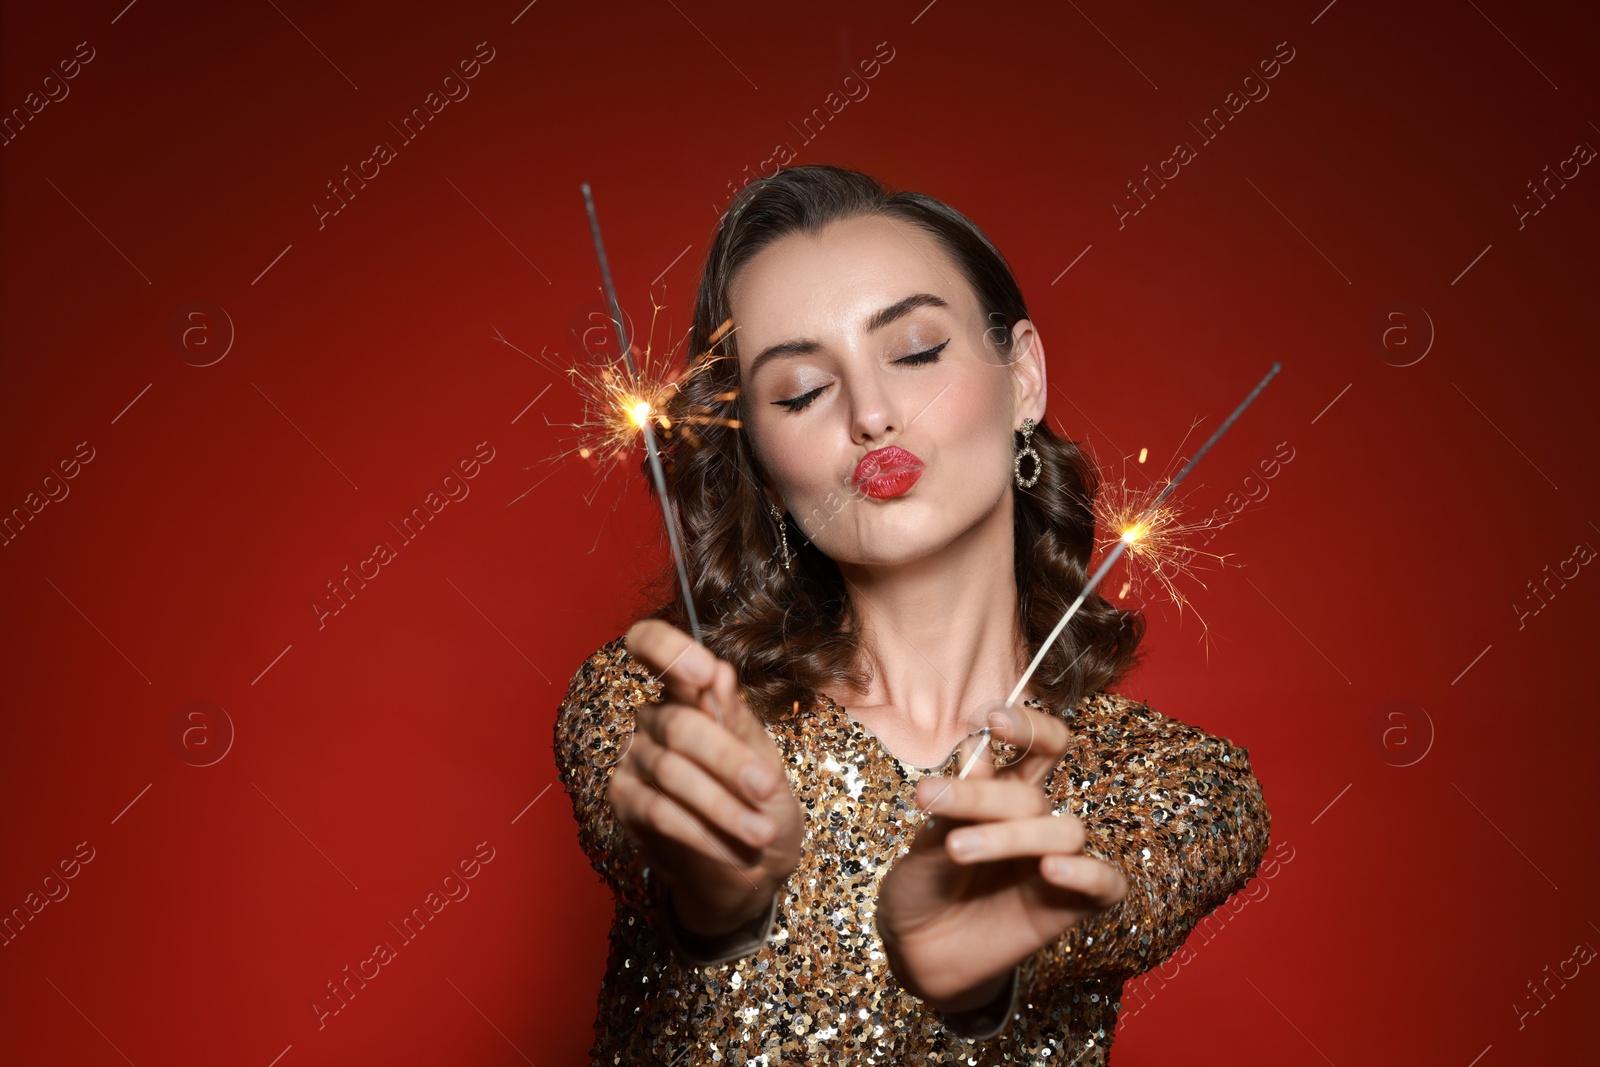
point(641, 414)
point(1128, 537)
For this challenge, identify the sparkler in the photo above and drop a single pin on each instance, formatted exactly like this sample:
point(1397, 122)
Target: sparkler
point(638, 406)
point(1158, 537)
point(1149, 525)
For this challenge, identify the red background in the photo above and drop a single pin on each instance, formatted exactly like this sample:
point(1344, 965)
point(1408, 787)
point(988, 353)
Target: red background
point(372, 754)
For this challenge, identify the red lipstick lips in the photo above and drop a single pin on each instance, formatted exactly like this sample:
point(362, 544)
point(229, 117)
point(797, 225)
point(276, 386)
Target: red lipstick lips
point(887, 472)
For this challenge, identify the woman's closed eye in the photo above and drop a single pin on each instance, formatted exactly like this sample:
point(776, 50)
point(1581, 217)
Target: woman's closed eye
point(916, 359)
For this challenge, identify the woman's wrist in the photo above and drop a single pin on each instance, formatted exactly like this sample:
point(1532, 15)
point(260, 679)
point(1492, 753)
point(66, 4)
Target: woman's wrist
point(990, 1015)
point(721, 942)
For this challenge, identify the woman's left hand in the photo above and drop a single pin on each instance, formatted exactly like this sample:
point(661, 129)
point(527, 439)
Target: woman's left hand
point(993, 876)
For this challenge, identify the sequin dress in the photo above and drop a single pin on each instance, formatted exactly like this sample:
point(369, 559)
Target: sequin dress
point(1177, 809)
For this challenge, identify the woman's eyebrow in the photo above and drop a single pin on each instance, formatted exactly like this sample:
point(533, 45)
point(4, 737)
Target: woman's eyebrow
point(875, 322)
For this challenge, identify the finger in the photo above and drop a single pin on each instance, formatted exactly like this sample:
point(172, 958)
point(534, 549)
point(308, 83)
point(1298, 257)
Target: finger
point(1038, 836)
point(646, 811)
point(1042, 739)
point(684, 667)
point(981, 800)
point(691, 733)
point(1101, 882)
point(970, 758)
point(702, 795)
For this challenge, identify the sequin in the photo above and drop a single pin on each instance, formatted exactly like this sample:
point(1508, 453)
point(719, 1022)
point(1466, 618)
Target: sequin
point(1178, 810)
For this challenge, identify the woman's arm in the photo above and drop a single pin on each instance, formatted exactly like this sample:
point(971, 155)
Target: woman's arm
point(593, 729)
point(1178, 810)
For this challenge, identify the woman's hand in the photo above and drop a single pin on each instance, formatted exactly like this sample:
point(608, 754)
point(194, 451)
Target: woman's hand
point(708, 806)
point(993, 876)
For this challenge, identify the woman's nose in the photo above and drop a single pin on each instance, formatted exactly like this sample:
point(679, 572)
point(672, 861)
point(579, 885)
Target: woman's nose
point(873, 410)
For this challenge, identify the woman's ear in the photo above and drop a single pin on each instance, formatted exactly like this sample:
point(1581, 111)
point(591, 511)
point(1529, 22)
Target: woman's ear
point(1027, 363)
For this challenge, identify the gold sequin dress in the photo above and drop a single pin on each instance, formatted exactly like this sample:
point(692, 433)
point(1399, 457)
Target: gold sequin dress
point(1177, 809)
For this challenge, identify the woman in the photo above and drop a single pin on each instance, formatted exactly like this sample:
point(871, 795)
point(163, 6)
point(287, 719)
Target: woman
point(811, 860)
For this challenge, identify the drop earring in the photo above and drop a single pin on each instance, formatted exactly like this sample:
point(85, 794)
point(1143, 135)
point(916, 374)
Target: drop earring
point(1027, 450)
point(783, 534)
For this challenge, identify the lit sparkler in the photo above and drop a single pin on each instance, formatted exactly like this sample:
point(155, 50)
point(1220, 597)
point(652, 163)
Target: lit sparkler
point(1146, 530)
point(1160, 540)
point(639, 402)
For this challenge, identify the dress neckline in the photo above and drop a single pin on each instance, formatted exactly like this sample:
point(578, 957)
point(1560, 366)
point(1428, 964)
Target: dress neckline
point(857, 726)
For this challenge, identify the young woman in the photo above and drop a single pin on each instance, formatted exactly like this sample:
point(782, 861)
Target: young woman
point(878, 541)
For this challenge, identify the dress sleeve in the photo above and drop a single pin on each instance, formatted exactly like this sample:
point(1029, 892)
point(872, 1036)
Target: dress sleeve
point(1177, 809)
point(593, 730)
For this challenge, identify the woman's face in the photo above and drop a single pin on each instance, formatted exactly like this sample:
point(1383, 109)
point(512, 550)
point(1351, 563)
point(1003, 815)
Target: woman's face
point(865, 336)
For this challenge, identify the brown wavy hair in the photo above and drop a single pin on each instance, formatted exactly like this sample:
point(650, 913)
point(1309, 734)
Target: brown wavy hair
point(788, 634)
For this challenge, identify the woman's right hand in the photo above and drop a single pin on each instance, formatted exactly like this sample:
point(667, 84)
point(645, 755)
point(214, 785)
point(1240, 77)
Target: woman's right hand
point(708, 806)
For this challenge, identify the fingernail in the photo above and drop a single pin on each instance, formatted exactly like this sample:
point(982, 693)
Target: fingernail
point(1060, 866)
point(756, 780)
point(965, 844)
point(754, 827)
